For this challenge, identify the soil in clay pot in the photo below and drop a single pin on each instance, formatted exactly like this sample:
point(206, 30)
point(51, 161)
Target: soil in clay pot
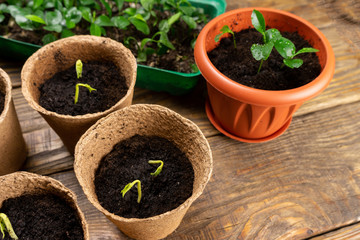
point(239, 65)
point(57, 93)
point(2, 102)
point(128, 161)
point(42, 216)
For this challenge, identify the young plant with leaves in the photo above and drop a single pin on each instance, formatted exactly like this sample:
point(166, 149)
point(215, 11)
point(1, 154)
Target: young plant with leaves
point(5, 226)
point(225, 29)
point(78, 68)
point(129, 186)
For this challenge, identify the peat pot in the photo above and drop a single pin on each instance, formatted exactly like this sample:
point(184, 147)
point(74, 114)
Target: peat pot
point(62, 54)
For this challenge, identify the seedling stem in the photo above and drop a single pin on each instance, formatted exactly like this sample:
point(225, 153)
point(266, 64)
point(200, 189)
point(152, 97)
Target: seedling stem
point(158, 170)
point(129, 186)
point(5, 226)
point(77, 90)
point(79, 67)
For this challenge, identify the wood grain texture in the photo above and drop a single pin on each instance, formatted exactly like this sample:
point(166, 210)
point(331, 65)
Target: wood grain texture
point(305, 183)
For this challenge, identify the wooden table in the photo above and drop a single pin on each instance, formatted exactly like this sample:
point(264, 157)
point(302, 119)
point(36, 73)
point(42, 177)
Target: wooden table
point(304, 184)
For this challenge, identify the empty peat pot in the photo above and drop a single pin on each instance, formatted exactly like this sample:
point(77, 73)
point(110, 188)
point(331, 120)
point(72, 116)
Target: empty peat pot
point(12, 144)
point(19, 184)
point(146, 120)
point(255, 115)
point(62, 54)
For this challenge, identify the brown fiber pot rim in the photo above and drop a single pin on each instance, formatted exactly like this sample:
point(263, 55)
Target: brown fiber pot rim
point(33, 183)
point(164, 111)
point(29, 66)
point(5, 87)
point(258, 96)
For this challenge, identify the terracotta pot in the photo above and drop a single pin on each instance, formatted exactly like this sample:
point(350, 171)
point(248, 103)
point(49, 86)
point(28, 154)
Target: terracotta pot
point(254, 115)
point(19, 183)
point(143, 119)
point(62, 54)
point(12, 144)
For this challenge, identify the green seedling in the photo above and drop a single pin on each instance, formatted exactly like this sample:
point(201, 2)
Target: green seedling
point(129, 186)
point(225, 29)
point(79, 68)
point(159, 169)
point(5, 226)
point(272, 37)
point(288, 51)
point(76, 98)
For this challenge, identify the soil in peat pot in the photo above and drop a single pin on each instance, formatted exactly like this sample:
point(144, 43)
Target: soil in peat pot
point(239, 65)
point(42, 216)
point(2, 102)
point(57, 93)
point(128, 161)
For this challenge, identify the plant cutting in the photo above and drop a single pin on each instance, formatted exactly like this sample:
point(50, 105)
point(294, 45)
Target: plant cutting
point(143, 126)
point(160, 20)
point(60, 218)
point(12, 144)
point(251, 114)
point(79, 68)
point(56, 62)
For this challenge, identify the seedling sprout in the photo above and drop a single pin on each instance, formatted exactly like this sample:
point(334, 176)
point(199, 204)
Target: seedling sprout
point(79, 67)
point(77, 90)
point(223, 30)
point(5, 226)
point(129, 186)
point(158, 170)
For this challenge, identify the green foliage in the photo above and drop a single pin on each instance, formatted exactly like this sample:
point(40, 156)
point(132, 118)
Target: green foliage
point(129, 186)
point(76, 98)
point(225, 29)
point(61, 18)
point(159, 169)
point(5, 226)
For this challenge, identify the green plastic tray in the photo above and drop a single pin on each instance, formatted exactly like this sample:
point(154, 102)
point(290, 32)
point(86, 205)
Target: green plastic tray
point(155, 79)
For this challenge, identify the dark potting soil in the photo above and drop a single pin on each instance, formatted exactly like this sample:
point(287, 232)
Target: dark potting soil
point(128, 161)
point(239, 65)
point(2, 102)
point(57, 93)
point(42, 216)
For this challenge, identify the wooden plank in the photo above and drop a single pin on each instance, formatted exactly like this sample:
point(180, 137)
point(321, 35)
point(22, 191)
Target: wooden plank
point(290, 188)
point(351, 232)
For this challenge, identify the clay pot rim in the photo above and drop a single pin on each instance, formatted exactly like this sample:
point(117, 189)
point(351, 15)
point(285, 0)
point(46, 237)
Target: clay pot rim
point(61, 190)
point(4, 77)
point(251, 95)
point(185, 204)
point(77, 38)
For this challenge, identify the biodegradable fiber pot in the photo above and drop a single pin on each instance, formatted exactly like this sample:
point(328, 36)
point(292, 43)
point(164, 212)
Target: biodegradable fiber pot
point(62, 54)
point(148, 120)
point(12, 144)
point(16, 184)
point(254, 115)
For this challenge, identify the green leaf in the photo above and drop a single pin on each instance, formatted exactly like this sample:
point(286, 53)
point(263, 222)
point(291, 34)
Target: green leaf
point(107, 7)
point(120, 22)
point(86, 15)
point(258, 21)
point(193, 42)
point(272, 35)
point(306, 50)
point(285, 48)
point(2, 17)
point(189, 21)
point(37, 4)
point(66, 33)
point(48, 38)
point(293, 63)
point(35, 18)
point(68, 3)
point(141, 56)
point(104, 21)
point(188, 11)
point(174, 18)
point(165, 41)
point(87, 2)
point(24, 23)
point(74, 15)
point(261, 52)
point(194, 68)
point(119, 4)
point(53, 28)
point(3, 7)
point(95, 30)
point(164, 26)
point(223, 30)
point(147, 4)
point(130, 11)
point(53, 17)
point(139, 22)
point(144, 42)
